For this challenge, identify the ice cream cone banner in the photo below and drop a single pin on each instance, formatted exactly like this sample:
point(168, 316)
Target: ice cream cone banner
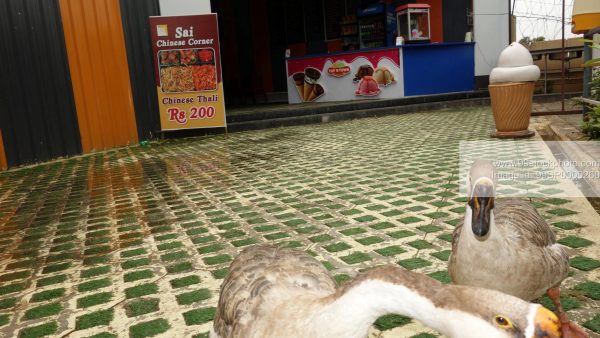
point(308, 89)
point(299, 82)
point(316, 93)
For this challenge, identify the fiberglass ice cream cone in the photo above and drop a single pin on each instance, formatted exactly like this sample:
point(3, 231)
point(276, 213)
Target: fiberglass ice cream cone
point(511, 91)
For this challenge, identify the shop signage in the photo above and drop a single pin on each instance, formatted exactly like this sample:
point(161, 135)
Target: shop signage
point(187, 65)
point(338, 69)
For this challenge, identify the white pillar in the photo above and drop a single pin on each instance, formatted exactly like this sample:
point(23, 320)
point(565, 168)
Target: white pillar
point(184, 7)
point(490, 25)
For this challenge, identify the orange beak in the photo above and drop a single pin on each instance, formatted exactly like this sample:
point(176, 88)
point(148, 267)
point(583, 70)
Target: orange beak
point(547, 324)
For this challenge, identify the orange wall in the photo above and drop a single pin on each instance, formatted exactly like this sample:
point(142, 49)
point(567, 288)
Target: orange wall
point(99, 73)
point(435, 19)
point(3, 162)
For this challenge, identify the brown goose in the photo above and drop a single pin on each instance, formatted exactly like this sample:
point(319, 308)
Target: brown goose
point(284, 293)
point(505, 245)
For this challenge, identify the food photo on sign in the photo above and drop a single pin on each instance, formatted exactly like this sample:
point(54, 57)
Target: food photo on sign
point(187, 70)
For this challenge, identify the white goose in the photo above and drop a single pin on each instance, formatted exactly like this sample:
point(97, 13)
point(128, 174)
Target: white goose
point(283, 293)
point(504, 244)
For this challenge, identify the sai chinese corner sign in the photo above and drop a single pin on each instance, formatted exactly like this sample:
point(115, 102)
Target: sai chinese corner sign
point(188, 71)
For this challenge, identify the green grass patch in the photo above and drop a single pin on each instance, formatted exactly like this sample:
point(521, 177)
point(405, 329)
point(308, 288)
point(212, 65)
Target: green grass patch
point(132, 253)
point(567, 225)
point(204, 239)
point(96, 260)
point(441, 276)
point(50, 280)
point(244, 242)
point(98, 318)
point(149, 328)
point(211, 248)
point(307, 230)
point(410, 220)
point(335, 247)
point(220, 273)
point(43, 311)
point(353, 231)
point(94, 285)
point(356, 257)
point(265, 228)
point(165, 237)
point(4, 319)
point(370, 240)
point(584, 263)
point(232, 234)
point(193, 296)
point(414, 263)
point(275, 236)
point(430, 228)
point(445, 237)
point(199, 316)
point(321, 238)
point(141, 307)
point(589, 289)
point(381, 225)
point(135, 263)
point(341, 278)
point(567, 303)
point(14, 275)
point(47, 295)
point(593, 324)
point(400, 234)
point(561, 212)
point(390, 251)
point(141, 290)
point(442, 255)
point(42, 330)
point(137, 275)
point(184, 281)
point(95, 299)
point(173, 256)
point(575, 242)
point(391, 321)
point(179, 267)
point(8, 303)
point(420, 244)
point(169, 246)
point(219, 259)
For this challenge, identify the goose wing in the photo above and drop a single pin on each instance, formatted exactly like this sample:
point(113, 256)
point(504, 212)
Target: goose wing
point(520, 220)
point(255, 272)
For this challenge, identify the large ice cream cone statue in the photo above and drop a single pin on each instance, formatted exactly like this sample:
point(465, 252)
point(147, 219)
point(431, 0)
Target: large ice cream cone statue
point(511, 91)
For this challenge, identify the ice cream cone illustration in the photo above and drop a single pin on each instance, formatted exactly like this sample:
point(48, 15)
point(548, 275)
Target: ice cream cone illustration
point(299, 81)
point(383, 76)
point(311, 76)
point(317, 91)
point(308, 89)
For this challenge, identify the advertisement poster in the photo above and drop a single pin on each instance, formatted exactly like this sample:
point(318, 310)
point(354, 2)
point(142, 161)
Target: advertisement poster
point(187, 65)
point(346, 76)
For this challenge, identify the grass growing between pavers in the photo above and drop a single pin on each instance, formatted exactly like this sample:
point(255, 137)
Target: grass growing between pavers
point(43, 311)
point(42, 330)
point(199, 316)
point(185, 281)
point(141, 307)
point(149, 328)
point(193, 296)
point(97, 318)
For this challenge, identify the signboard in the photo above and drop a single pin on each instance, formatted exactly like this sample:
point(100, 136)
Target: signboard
point(346, 76)
point(187, 65)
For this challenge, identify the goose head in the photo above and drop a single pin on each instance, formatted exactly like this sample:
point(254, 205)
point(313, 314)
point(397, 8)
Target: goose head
point(481, 192)
point(498, 315)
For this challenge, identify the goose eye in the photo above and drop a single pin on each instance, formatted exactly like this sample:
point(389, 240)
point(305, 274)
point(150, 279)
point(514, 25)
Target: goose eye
point(503, 322)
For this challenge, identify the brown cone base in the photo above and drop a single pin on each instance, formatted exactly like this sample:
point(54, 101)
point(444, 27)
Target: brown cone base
point(513, 134)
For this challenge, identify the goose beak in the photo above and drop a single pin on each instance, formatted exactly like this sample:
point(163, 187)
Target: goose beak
point(482, 203)
point(546, 324)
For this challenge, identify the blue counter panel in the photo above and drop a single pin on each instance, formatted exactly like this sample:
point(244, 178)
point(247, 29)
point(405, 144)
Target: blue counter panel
point(435, 69)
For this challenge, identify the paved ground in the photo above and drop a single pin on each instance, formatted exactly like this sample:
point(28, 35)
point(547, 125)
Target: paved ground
point(134, 242)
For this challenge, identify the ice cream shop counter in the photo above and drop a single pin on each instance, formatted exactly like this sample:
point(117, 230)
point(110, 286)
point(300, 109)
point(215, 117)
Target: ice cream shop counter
point(382, 73)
